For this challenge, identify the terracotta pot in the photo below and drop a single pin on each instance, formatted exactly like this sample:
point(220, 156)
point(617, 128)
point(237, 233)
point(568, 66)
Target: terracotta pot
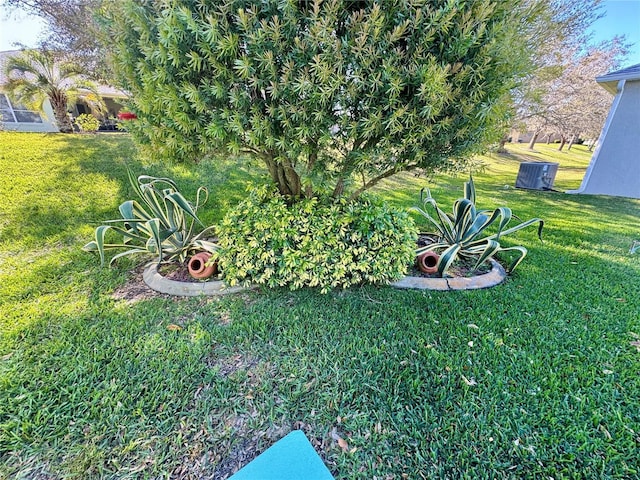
point(198, 266)
point(428, 262)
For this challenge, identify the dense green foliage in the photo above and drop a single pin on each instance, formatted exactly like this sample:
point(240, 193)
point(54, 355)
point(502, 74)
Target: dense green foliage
point(310, 243)
point(330, 95)
point(87, 122)
point(535, 378)
point(160, 224)
point(466, 232)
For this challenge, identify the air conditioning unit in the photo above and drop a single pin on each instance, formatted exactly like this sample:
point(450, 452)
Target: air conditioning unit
point(537, 175)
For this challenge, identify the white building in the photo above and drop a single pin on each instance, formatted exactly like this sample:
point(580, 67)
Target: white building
point(615, 164)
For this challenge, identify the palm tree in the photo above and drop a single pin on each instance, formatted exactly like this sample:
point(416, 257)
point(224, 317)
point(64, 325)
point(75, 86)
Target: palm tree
point(37, 75)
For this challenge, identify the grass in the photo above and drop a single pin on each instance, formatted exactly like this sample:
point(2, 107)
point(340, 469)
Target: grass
point(536, 378)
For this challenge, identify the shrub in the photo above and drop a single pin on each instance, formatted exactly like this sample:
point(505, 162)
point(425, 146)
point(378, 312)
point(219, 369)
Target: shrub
point(465, 232)
point(87, 123)
point(162, 225)
point(314, 243)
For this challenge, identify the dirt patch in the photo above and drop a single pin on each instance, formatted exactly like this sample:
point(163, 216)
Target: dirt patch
point(249, 447)
point(227, 366)
point(240, 436)
point(245, 439)
point(135, 289)
point(241, 454)
point(179, 272)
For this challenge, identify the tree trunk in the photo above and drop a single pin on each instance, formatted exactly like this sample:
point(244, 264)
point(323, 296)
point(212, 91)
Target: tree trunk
point(339, 188)
point(548, 138)
point(501, 148)
point(533, 140)
point(573, 139)
point(591, 146)
point(313, 156)
point(285, 177)
point(563, 140)
point(58, 101)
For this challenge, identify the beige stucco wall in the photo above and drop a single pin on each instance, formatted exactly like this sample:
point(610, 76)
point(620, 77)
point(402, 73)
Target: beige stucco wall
point(615, 165)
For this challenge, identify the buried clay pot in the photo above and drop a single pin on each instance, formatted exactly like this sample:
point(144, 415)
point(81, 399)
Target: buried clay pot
point(428, 262)
point(198, 268)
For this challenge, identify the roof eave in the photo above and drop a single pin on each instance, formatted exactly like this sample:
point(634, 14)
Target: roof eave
point(615, 77)
point(610, 86)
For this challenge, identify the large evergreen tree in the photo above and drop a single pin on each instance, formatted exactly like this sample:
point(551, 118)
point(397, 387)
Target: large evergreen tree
point(331, 95)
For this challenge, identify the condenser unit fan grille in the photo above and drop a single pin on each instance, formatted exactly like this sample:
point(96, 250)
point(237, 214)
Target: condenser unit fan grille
point(537, 175)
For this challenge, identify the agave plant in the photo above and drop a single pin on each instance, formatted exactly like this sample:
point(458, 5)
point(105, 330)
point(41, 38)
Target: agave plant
point(465, 233)
point(161, 224)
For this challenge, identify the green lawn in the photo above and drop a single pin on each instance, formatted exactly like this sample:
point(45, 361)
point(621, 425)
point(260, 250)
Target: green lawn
point(536, 378)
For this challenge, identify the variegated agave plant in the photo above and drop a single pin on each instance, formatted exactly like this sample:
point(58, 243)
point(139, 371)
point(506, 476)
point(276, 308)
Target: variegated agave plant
point(161, 224)
point(465, 233)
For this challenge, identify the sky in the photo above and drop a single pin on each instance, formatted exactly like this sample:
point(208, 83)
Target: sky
point(622, 17)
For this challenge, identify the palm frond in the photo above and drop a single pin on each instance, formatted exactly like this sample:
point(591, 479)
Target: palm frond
point(35, 75)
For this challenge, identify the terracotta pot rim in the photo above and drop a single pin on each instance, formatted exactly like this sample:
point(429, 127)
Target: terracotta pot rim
point(425, 266)
point(198, 268)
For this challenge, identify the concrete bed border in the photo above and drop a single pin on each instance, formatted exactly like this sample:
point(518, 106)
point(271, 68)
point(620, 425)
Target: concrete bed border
point(492, 278)
point(157, 282)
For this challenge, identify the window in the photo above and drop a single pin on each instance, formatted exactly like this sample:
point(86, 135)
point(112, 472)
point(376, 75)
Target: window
point(10, 113)
point(6, 112)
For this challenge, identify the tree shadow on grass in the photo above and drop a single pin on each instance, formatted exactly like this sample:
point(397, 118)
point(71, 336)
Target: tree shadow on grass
point(76, 181)
point(520, 158)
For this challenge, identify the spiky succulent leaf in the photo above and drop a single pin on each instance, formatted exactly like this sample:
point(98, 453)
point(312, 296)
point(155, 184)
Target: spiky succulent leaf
point(465, 232)
point(447, 257)
point(470, 190)
point(160, 223)
point(183, 205)
point(491, 247)
point(522, 253)
point(520, 226)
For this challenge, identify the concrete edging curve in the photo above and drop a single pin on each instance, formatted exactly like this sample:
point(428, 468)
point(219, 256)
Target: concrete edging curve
point(494, 277)
point(157, 282)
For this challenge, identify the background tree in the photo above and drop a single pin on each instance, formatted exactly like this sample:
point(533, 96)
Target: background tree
point(328, 94)
point(566, 100)
point(589, 100)
point(547, 101)
point(71, 27)
point(36, 75)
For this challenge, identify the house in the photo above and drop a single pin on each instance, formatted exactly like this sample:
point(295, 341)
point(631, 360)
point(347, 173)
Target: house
point(517, 136)
point(18, 118)
point(615, 165)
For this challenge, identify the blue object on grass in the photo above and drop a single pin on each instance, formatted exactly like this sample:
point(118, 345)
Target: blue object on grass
point(290, 458)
